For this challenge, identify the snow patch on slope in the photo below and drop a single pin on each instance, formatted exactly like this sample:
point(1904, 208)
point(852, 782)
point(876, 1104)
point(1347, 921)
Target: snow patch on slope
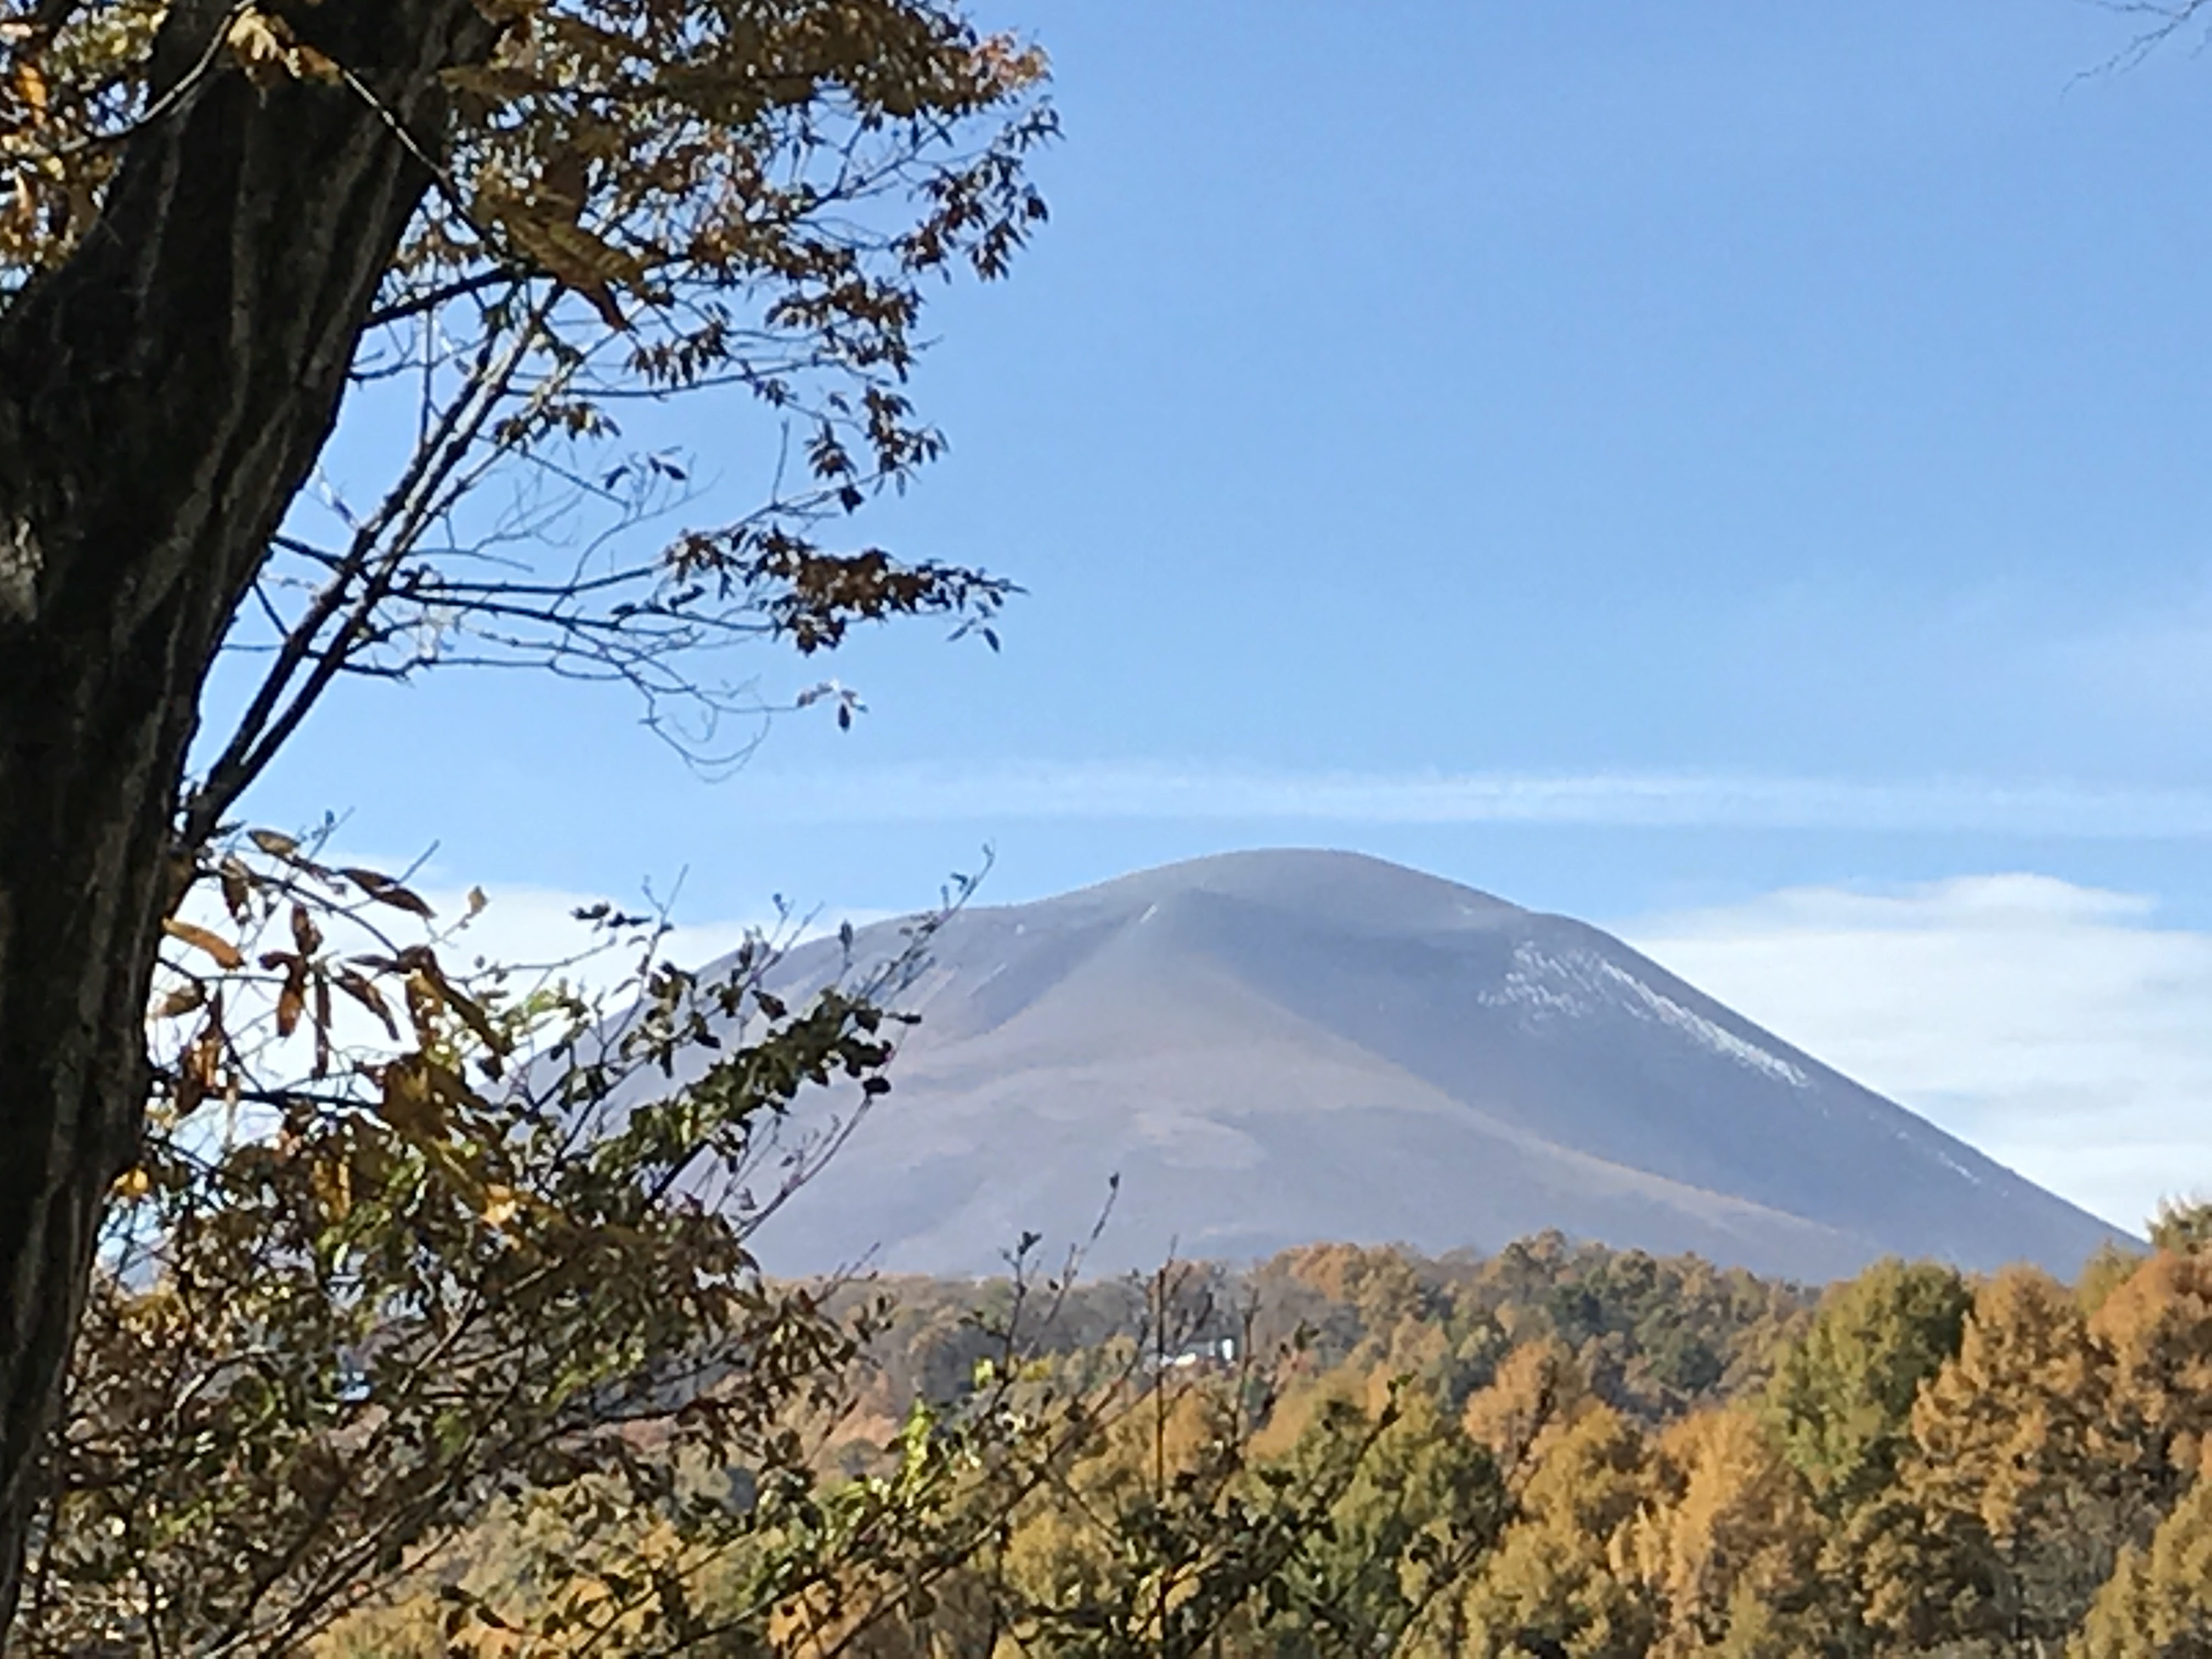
point(1581, 983)
point(1669, 1012)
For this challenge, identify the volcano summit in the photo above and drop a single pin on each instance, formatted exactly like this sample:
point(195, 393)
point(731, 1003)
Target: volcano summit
point(1273, 1048)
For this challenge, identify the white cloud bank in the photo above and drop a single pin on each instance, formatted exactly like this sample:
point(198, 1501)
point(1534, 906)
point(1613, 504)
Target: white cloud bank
point(2057, 1027)
point(1104, 790)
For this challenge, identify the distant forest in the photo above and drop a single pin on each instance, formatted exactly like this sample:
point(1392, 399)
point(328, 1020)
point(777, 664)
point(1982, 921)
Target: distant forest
point(1561, 1449)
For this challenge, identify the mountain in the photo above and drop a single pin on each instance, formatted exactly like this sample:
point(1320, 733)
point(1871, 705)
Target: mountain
point(1274, 1047)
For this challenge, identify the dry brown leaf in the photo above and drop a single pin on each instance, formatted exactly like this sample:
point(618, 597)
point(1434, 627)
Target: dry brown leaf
point(225, 954)
point(569, 254)
point(292, 1002)
point(182, 1000)
point(364, 991)
point(384, 891)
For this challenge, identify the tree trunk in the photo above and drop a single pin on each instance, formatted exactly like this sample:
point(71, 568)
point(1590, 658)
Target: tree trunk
point(163, 398)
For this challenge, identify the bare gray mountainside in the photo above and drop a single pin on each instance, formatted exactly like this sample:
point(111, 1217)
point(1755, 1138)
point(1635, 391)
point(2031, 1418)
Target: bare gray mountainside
point(1274, 1047)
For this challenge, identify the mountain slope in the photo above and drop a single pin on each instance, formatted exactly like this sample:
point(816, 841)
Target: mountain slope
point(1272, 1047)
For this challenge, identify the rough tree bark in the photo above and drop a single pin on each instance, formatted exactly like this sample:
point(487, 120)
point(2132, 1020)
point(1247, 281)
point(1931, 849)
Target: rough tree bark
point(163, 398)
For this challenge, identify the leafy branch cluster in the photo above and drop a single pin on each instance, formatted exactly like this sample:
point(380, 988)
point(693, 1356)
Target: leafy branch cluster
point(638, 199)
point(400, 1237)
point(404, 1243)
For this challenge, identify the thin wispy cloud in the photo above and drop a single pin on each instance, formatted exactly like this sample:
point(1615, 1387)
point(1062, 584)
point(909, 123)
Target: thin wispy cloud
point(1105, 791)
point(2060, 1028)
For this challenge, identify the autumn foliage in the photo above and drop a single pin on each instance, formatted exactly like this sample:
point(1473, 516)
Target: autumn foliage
point(364, 1399)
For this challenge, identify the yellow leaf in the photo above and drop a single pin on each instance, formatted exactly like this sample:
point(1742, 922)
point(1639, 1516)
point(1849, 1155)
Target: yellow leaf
point(225, 953)
point(501, 1205)
point(268, 51)
point(308, 64)
point(258, 41)
point(331, 1179)
point(132, 1183)
point(31, 88)
point(22, 217)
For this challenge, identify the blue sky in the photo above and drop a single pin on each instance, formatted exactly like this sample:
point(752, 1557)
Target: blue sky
point(1732, 473)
